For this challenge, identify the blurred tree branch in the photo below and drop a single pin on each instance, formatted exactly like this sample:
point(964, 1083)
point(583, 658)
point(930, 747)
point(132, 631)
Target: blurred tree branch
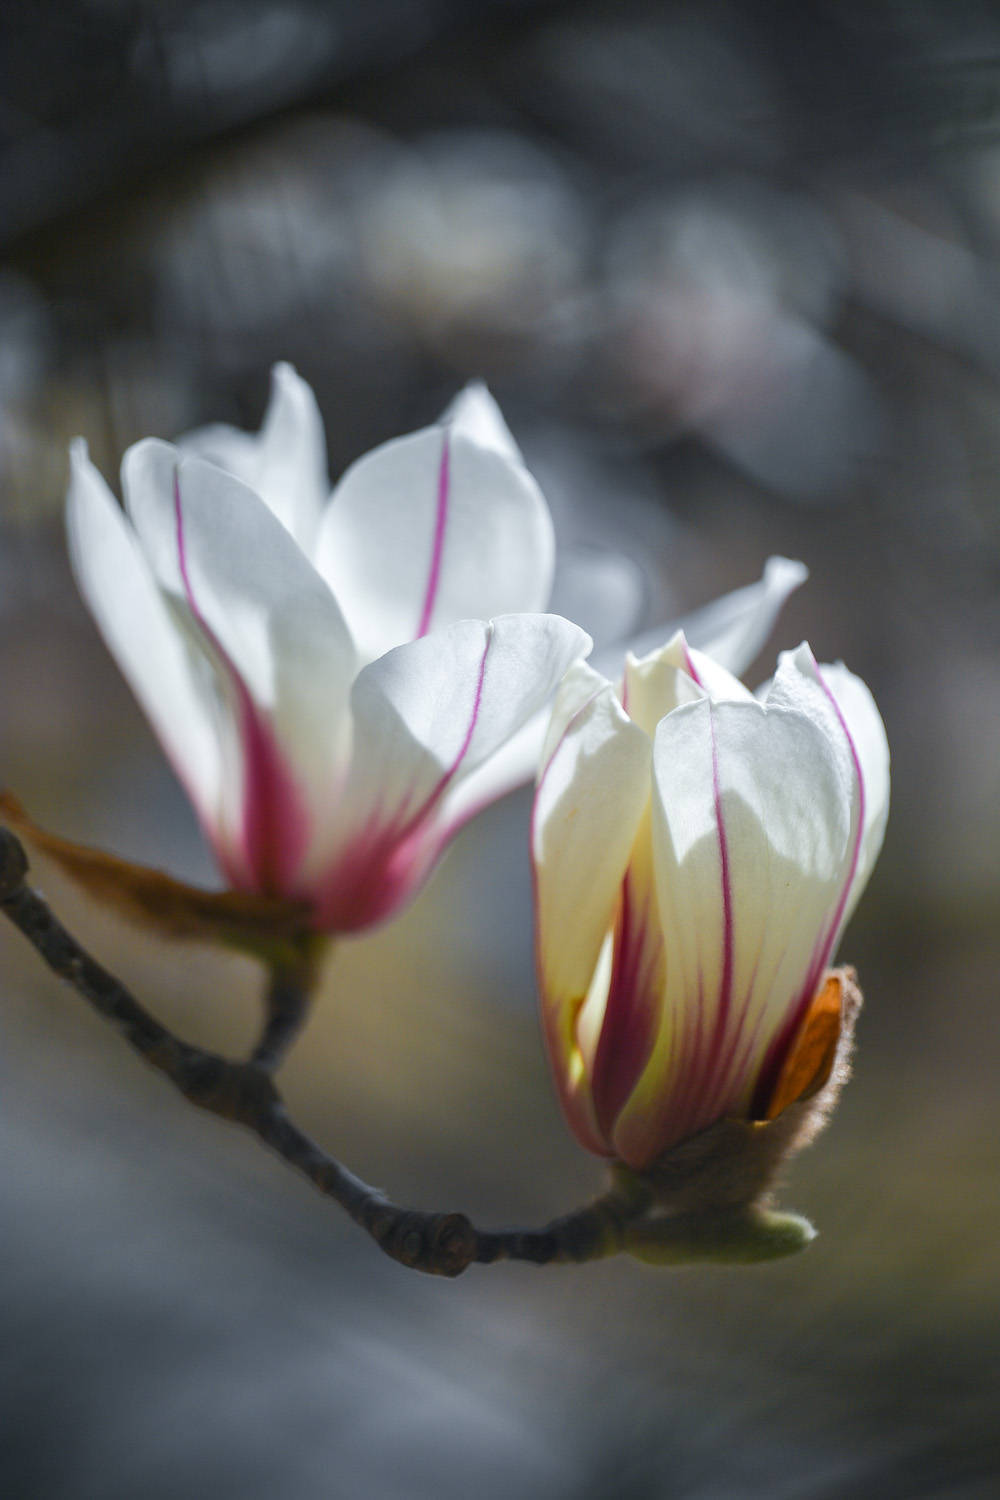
point(443, 1244)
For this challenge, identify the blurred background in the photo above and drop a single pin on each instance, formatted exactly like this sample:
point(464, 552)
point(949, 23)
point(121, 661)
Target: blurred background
point(733, 272)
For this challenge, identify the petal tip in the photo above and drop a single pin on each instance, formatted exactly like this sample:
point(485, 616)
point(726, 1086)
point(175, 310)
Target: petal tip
point(785, 572)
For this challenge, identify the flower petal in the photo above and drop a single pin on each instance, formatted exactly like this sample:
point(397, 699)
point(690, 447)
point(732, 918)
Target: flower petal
point(427, 714)
point(271, 625)
point(447, 702)
point(754, 820)
point(656, 684)
point(430, 529)
point(135, 621)
point(591, 798)
point(285, 463)
point(731, 630)
point(475, 414)
point(520, 758)
point(863, 723)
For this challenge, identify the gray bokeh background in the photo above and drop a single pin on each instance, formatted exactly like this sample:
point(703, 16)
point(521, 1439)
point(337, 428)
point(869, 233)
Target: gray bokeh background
point(733, 272)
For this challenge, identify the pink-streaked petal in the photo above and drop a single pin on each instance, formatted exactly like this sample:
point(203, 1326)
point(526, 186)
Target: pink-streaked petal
point(431, 529)
point(476, 415)
point(285, 463)
point(731, 630)
point(463, 692)
point(513, 765)
point(754, 830)
point(426, 715)
point(137, 625)
point(522, 757)
point(264, 834)
point(270, 623)
point(634, 1000)
point(592, 794)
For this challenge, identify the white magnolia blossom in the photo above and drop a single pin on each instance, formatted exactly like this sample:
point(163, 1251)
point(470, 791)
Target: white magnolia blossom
point(341, 681)
point(697, 852)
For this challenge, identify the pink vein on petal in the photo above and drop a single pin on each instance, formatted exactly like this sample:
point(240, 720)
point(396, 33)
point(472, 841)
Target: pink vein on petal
point(376, 873)
point(702, 1055)
point(275, 822)
point(440, 527)
point(692, 670)
point(626, 1037)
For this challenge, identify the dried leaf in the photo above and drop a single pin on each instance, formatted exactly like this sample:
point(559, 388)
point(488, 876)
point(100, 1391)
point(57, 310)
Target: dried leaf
point(255, 924)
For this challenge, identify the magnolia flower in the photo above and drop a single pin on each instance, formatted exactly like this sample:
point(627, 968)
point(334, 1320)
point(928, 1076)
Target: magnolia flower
point(327, 676)
point(697, 851)
point(340, 681)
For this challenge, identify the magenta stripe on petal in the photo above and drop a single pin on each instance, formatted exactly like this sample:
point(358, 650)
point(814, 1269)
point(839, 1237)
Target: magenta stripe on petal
point(275, 822)
point(440, 527)
point(627, 1031)
point(388, 860)
point(692, 670)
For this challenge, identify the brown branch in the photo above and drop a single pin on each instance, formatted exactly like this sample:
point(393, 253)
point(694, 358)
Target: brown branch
point(443, 1244)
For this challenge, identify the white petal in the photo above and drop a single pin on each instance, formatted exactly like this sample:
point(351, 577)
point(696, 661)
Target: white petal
point(434, 709)
point(731, 630)
point(801, 684)
point(580, 684)
point(430, 529)
point(670, 676)
point(250, 590)
point(590, 801)
point(475, 413)
point(521, 758)
point(753, 837)
point(285, 463)
point(513, 765)
point(863, 723)
point(136, 623)
point(425, 715)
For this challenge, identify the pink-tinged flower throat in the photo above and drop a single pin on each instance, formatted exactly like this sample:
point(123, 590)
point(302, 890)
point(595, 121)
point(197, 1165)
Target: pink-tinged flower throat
point(383, 865)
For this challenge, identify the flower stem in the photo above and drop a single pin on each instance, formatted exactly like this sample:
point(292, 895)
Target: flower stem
point(443, 1244)
point(286, 1003)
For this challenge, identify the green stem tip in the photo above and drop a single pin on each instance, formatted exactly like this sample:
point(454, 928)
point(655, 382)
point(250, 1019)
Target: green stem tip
point(736, 1237)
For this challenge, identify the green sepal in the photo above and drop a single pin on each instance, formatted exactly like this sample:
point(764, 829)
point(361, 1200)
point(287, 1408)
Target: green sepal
point(736, 1237)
